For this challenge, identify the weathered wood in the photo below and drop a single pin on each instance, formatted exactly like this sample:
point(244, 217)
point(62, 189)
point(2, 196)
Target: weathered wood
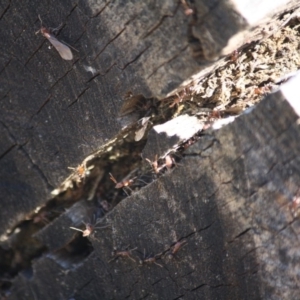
point(60, 111)
point(230, 200)
point(55, 112)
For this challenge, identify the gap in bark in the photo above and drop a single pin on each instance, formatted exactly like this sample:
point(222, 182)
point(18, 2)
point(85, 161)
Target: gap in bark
point(73, 253)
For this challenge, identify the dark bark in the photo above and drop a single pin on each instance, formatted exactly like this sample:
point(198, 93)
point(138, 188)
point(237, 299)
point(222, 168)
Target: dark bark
point(231, 200)
point(231, 197)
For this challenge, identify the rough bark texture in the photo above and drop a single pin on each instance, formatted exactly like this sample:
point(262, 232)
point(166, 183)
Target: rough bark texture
point(232, 198)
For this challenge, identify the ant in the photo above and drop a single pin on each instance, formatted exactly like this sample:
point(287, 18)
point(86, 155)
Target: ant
point(263, 89)
point(187, 10)
point(150, 260)
point(154, 165)
point(188, 143)
point(169, 162)
point(234, 56)
point(294, 205)
point(214, 114)
point(61, 47)
point(89, 228)
point(180, 96)
point(125, 183)
point(176, 247)
point(81, 172)
point(127, 253)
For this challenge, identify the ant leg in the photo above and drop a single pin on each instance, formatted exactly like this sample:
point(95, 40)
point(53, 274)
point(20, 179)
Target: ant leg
point(56, 28)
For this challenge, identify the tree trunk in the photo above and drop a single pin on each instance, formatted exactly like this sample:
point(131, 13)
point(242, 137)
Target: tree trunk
point(221, 225)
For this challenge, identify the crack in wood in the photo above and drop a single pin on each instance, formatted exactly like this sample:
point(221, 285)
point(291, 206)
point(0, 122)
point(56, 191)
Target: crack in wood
point(160, 22)
point(35, 166)
point(180, 296)
point(5, 10)
point(240, 234)
point(211, 286)
point(5, 65)
point(101, 10)
point(80, 37)
point(167, 62)
point(114, 38)
point(41, 107)
point(7, 151)
point(34, 52)
point(77, 98)
point(116, 155)
point(62, 77)
point(109, 42)
point(135, 59)
point(115, 64)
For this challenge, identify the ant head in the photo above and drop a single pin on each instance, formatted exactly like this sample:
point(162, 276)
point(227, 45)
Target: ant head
point(88, 229)
point(43, 29)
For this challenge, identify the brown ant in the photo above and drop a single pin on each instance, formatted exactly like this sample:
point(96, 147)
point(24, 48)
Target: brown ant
point(169, 162)
point(187, 10)
point(150, 260)
point(89, 228)
point(294, 205)
point(214, 114)
point(125, 254)
point(188, 143)
point(154, 165)
point(81, 171)
point(234, 56)
point(125, 183)
point(263, 89)
point(180, 96)
point(176, 247)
